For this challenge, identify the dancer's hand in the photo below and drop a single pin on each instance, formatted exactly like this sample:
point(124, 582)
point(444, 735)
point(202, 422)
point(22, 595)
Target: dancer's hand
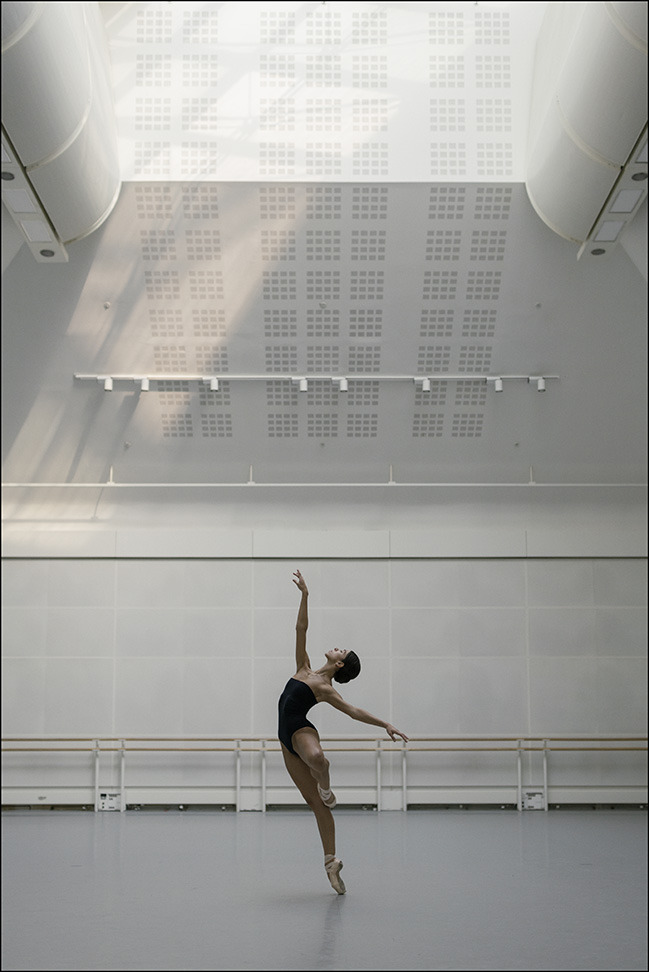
point(300, 583)
point(392, 732)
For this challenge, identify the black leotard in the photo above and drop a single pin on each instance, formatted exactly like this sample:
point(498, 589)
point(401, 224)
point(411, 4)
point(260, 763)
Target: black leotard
point(294, 703)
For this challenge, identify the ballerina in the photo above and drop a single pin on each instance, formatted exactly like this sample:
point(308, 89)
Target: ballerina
point(305, 761)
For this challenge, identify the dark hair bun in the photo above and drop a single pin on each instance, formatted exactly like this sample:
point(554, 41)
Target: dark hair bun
point(350, 669)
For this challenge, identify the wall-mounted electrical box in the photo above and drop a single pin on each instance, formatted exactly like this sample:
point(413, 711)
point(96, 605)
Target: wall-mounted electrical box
point(533, 800)
point(109, 801)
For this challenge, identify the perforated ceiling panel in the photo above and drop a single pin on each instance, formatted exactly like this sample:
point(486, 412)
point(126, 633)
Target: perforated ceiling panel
point(333, 92)
point(281, 279)
point(317, 278)
point(331, 189)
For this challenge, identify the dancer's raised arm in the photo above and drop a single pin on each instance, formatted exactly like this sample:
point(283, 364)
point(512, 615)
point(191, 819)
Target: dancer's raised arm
point(301, 657)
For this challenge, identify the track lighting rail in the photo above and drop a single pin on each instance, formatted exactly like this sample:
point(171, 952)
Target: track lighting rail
point(423, 382)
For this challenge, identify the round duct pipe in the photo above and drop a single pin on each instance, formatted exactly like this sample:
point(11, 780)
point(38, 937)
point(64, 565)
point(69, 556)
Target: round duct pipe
point(57, 110)
point(589, 107)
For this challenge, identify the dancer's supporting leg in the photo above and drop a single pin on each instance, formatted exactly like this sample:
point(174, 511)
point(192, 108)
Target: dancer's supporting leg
point(306, 783)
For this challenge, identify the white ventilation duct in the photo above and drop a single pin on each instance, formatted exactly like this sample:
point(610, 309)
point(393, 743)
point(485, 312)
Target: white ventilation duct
point(57, 114)
point(588, 112)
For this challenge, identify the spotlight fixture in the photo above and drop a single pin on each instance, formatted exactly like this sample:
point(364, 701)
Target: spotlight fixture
point(622, 204)
point(498, 384)
point(425, 385)
point(26, 210)
point(304, 384)
point(144, 384)
point(214, 384)
point(107, 380)
point(540, 384)
point(342, 384)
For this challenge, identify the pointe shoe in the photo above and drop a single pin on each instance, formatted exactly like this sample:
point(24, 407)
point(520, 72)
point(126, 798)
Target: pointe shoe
point(327, 797)
point(333, 869)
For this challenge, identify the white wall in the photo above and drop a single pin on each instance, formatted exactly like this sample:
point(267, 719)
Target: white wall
point(176, 647)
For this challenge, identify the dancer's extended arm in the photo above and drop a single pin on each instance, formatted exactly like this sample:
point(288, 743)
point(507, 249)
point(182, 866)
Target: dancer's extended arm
point(333, 698)
point(301, 657)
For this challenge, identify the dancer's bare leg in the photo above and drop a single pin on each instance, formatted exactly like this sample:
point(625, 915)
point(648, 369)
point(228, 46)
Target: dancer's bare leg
point(306, 783)
point(306, 744)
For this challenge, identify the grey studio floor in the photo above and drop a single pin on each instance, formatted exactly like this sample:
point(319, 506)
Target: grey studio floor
point(435, 889)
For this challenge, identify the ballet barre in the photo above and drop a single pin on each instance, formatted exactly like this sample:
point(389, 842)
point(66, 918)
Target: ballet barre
point(378, 747)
